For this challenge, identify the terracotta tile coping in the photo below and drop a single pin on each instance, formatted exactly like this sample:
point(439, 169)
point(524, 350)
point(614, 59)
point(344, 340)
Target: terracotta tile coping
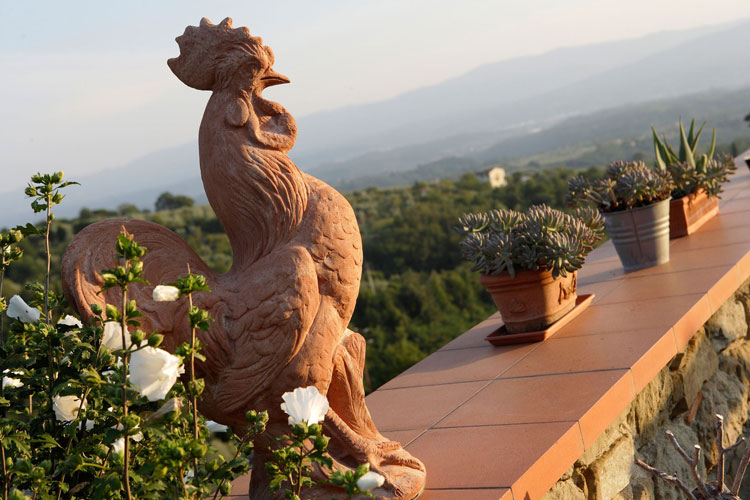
point(505, 422)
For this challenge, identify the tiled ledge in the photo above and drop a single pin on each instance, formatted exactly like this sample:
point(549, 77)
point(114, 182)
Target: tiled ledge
point(495, 423)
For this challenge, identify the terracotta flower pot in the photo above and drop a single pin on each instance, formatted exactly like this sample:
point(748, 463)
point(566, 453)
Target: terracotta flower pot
point(690, 212)
point(532, 300)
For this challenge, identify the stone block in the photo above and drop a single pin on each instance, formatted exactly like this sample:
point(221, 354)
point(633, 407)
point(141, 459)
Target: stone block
point(659, 453)
point(605, 441)
point(564, 490)
point(650, 408)
point(727, 396)
point(735, 361)
point(691, 369)
point(610, 474)
point(727, 324)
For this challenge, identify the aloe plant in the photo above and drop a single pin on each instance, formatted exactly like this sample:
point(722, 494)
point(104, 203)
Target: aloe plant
point(688, 150)
point(691, 171)
point(541, 238)
point(625, 185)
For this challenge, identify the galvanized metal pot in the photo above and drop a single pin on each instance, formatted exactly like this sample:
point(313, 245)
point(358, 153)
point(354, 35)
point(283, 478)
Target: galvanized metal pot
point(640, 235)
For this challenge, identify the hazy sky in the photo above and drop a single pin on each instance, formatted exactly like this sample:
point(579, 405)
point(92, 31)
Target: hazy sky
point(85, 85)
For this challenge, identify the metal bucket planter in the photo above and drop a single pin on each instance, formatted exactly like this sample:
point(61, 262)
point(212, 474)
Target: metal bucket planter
point(640, 235)
point(532, 300)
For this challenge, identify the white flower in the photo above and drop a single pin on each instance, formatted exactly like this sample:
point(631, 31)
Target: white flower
point(66, 407)
point(17, 308)
point(215, 427)
point(154, 371)
point(71, 321)
point(135, 437)
point(304, 405)
point(370, 481)
point(118, 447)
point(166, 293)
point(11, 382)
point(112, 336)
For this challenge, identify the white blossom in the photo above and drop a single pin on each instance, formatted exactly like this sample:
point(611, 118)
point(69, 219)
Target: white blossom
point(17, 308)
point(166, 293)
point(304, 405)
point(215, 427)
point(154, 371)
point(369, 481)
point(118, 447)
point(135, 437)
point(112, 336)
point(66, 407)
point(71, 321)
point(11, 382)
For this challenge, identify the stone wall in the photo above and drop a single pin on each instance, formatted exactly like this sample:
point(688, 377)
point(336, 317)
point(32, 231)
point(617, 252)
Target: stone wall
point(712, 375)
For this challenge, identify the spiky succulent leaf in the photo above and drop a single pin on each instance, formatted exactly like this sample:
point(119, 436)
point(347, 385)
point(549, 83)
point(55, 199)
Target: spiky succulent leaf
point(540, 238)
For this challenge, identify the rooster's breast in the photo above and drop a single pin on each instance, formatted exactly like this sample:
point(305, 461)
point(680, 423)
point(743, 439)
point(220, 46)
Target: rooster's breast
point(330, 233)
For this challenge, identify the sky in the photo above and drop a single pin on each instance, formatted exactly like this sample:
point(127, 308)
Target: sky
point(85, 85)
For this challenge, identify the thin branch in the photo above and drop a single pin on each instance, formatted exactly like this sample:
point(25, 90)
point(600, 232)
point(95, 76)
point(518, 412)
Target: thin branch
point(741, 471)
point(692, 462)
point(674, 480)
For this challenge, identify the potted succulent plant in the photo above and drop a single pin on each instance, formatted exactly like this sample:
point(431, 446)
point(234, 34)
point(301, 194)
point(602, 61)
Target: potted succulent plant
point(697, 179)
point(635, 202)
point(528, 261)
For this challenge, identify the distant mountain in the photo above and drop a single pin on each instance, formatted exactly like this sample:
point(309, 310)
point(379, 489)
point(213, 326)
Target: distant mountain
point(503, 110)
point(594, 139)
point(506, 95)
point(716, 60)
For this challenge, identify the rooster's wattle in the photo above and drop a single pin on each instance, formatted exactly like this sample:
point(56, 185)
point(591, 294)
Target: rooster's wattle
point(282, 310)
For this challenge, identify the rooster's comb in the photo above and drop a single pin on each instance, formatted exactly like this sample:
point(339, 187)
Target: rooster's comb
point(201, 45)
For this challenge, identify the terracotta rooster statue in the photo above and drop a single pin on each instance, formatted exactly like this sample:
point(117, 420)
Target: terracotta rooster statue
point(282, 310)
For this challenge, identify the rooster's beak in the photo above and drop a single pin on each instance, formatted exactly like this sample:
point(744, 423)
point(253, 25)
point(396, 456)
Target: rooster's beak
point(273, 78)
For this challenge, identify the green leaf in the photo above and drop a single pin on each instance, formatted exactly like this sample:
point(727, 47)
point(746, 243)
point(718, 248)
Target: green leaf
point(686, 154)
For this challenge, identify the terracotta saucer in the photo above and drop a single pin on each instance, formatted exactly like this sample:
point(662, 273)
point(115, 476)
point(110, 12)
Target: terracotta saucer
point(501, 337)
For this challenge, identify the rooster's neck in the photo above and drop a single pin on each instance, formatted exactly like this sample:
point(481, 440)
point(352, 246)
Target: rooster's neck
point(258, 194)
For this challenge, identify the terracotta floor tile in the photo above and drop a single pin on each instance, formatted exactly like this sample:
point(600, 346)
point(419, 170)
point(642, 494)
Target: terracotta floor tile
point(629, 316)
point(468, 494)
point(600, 290)
point(724, 287)
point(417, 407)
point(497, 456)
point(241, 486)
point(607, 408)
point(605, 251)
point(562, 354)
point(691, 320)
point(743, 267)
point(653, 360)
point(595, 272)
point(708, 256)
point(636, 288)
point(541, 476)
point(475, 336)
point(403, 437)
point(461, 365)
point(555, 398)
point(710, 237)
